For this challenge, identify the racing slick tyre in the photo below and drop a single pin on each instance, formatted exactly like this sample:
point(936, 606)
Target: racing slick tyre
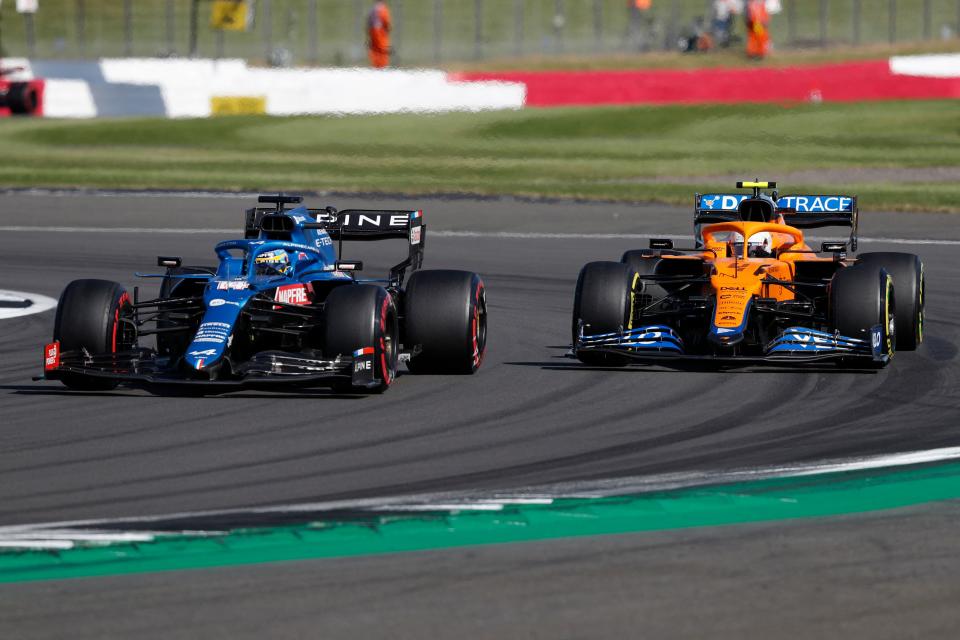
point(644, 263)
point(445, 313)
point(603, 303)
point(861, 297)
point(89, 316)
point(21, 98)
point(175, 343)
point(908, 280)
point(359, 316)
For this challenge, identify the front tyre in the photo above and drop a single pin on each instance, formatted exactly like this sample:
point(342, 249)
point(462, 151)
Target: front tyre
point(908, 279)
point(862, 297)
point(359, 316)
point(90, 316)
point(603, 303)
point(445, 314)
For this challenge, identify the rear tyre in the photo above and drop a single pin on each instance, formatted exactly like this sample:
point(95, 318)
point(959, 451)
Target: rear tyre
point(21, 98)
point(603, 303)
point(445, 313)
point(89, 316)
point(359, 316)
point(861, 297)
point(908, 280)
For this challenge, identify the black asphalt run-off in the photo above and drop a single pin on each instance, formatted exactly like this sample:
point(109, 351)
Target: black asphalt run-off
point(529, 416)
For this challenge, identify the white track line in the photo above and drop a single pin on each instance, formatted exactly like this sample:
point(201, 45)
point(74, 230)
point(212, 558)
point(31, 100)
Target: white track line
point(24, 535)
point(39, 304)
point(505, 235)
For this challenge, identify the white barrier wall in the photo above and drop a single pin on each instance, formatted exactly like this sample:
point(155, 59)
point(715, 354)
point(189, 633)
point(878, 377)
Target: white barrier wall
point(945, 65)
point(180, 88)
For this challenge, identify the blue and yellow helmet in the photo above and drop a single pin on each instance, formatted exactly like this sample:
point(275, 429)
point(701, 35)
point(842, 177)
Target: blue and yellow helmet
point(272, 263)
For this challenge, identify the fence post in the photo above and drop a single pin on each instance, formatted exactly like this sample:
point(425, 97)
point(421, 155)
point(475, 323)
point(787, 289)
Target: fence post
point(194, 16)
point(31, 34)
point(314, 53)
point(559, 22)
point(856, 21)
point(792, 21)
point(360, 25)
point(598, 25)
point(823, 23)
point(518, 26)
point(477, 29)
point(437, 31)
point(671, 34)
point(128, 28)
point(397, 33)
point(171, 26)
point(81, 28)
point(267, 29)
point(893, 21)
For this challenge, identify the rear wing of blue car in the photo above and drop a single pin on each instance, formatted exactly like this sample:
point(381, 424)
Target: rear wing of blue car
point(803, 211)
point(348, 224)
point(378, 224)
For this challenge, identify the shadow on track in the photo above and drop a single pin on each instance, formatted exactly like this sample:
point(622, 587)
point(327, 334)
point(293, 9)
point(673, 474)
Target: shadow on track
point(141, 393)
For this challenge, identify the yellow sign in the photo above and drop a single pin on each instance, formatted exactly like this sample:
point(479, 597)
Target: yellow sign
point(238, 105)
point(231, 15)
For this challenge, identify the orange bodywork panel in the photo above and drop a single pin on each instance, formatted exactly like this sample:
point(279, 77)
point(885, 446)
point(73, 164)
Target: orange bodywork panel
point(736, 278)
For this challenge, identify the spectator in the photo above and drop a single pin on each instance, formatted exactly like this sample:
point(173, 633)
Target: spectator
point(378, 34)
point(758, 34)
point(723, 15)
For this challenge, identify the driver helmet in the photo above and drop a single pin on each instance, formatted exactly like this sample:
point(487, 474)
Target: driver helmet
point(272, 263)
point(759, 245)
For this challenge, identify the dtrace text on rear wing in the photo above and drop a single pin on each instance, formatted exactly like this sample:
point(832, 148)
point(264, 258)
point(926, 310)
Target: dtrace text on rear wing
point(803, 211)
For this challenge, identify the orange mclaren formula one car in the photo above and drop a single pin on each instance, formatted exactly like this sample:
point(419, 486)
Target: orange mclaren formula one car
point(752, 290)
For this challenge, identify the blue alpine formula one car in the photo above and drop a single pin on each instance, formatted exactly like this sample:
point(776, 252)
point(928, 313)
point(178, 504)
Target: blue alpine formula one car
point(280, 308)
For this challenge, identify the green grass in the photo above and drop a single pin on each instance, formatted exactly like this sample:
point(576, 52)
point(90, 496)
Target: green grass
point(637, 153)
point(333, 33)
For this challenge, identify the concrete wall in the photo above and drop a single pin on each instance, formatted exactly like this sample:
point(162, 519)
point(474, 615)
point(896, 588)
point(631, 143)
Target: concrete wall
point(179, 88)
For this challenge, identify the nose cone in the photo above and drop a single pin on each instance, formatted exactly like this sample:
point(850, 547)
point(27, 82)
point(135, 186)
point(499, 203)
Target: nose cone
point(730, 317)
point(215, 330)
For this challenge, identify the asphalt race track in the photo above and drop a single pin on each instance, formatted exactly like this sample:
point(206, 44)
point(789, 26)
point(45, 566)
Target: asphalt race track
point(530, 416)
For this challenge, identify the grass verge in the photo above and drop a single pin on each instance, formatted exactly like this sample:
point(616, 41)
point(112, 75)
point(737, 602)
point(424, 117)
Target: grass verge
point(636, 153)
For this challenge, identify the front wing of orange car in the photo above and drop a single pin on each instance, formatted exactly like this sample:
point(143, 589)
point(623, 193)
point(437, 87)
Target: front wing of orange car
point(792, 345)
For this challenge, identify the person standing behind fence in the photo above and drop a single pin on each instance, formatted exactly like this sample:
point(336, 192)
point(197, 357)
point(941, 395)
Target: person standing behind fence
point(723, 13)
point(378, 34)
point(758, 33)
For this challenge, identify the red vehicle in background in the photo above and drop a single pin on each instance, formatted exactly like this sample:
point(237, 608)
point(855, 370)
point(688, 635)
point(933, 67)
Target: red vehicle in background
point(20, 97)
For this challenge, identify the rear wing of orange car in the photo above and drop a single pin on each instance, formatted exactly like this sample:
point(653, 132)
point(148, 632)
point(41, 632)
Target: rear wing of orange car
point(803, 211)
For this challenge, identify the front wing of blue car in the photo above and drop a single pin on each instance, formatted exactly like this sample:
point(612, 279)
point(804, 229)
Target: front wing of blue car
point(144, 368)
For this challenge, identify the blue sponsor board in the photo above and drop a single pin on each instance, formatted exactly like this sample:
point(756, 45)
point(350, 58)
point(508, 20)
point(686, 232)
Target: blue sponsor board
point(801, 204)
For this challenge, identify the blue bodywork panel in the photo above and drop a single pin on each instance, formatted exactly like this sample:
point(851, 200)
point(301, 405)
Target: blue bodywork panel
point(312, 257)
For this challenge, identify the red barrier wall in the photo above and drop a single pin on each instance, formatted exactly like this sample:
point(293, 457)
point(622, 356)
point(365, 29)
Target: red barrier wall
point(836, 82)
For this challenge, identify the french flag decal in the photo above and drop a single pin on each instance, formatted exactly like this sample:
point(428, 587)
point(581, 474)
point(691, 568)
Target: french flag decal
point(415, 215)
point(366, 351)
